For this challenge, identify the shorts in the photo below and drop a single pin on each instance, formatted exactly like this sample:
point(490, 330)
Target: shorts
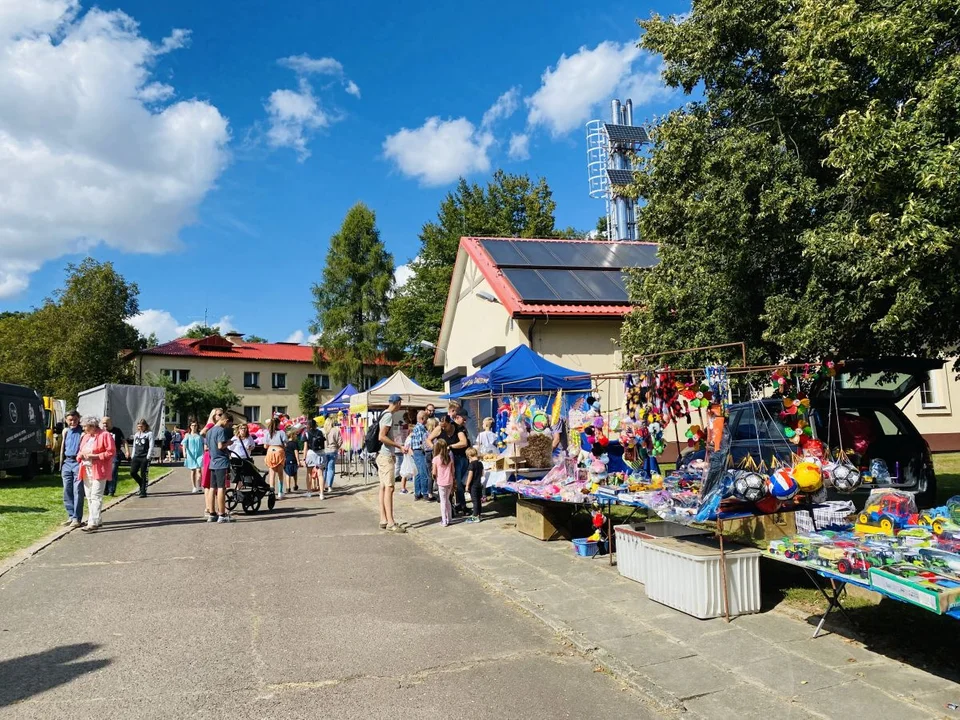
point(386, 466)
point(290, 468)
point(218, 479)
point(275, 457)
point(314, 459)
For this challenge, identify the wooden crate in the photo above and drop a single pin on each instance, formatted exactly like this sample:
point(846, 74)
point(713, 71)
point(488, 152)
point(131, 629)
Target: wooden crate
point(544, 520)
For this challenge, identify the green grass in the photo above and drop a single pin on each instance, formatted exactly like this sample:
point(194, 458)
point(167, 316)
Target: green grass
point(947, 467)
point(30, 510)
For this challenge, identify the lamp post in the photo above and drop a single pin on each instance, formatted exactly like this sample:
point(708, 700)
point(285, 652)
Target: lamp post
point(431, 346)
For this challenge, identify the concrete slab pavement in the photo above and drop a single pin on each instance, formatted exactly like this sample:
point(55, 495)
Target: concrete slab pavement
point(309, 611)
point(758, 666)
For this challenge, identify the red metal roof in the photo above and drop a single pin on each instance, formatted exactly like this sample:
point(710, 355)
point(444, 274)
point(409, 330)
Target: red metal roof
point(515, 304)
point(221, 348)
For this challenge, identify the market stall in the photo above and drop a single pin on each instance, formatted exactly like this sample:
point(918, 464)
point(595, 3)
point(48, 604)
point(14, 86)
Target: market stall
point(340, 402)
point(364, 405)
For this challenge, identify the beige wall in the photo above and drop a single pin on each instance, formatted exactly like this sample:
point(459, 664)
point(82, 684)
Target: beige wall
point(478, 324)
point(588, 345)
point(937, 421)
point(204, 369)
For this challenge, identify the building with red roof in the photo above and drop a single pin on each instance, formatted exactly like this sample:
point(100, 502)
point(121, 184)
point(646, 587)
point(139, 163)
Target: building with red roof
point(267, 376)
point(565, 299)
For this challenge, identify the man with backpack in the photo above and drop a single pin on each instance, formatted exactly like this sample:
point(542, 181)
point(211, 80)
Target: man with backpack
point(380, 441)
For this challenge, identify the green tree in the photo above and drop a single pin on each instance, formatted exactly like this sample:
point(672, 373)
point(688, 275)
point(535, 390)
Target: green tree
point(255, 339)
point(151, 341)
point(351, 299)
point(509, 206)
point(809, 203)
point(198, 332)
point(78, 338)
point(309, 397)
point(195, 398)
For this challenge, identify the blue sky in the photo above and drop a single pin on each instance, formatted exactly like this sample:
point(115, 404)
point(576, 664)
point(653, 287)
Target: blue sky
point(264, 122)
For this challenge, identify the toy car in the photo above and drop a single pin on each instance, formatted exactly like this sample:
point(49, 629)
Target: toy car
point(890, 512)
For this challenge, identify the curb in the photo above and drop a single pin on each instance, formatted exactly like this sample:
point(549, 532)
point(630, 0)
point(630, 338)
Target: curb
point(21, 556)
point(661, 700)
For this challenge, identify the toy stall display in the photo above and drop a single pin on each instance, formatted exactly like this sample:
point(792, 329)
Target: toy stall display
point(888, 547)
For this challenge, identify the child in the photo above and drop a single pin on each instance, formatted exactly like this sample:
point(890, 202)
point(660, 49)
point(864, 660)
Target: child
point(291, 459)
point(475, 474)
point(443, 473)
point(487, 440)
point(407, 467)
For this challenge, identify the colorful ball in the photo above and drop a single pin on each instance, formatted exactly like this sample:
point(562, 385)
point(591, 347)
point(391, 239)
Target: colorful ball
point(782, 486)
point(807, 476)
point(846, 477)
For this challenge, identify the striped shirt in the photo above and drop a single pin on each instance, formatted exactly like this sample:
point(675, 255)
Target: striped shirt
point(418, 436)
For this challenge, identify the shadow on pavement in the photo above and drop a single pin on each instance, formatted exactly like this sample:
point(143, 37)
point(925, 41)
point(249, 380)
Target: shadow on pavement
point(149, 522)
point(29, 675)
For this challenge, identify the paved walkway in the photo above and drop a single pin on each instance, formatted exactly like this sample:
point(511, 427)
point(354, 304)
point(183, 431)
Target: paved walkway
point(308, 611)
point(758, 666)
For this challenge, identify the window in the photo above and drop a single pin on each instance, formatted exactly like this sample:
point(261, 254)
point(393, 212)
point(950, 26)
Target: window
point(321, 381)
point(279, 381)
point(279, 410)
point(929, 398)
point(368, 382)
point(251, 380)
point(172, 417)
point(176, 376)
point(252, 412)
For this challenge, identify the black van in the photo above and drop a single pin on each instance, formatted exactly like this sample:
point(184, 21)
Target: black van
point(23, 446)
point(863, 409)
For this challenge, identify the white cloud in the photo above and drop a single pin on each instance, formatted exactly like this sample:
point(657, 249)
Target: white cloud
point(168, 328)
point(505, 106)
point(439, 151)
point(519, 147)
point(402, 275)
point(306, 65)
point(294, 116)
point(86, 153)
point(570, 92)
point(300, 338)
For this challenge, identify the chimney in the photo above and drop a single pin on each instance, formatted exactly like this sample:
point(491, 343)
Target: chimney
point(235, 338)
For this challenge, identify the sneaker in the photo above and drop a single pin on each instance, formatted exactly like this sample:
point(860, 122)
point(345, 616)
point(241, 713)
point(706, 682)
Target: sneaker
point(308, 494)
point(89, 528)
point(212, 518)
point(227, 518)
point(403, 492)
point(222, 519)
point(194, 491)
point(74, 523)
point(396, 528)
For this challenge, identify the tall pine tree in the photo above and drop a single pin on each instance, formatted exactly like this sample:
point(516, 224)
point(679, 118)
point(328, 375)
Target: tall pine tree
point(351, 300)
point(509, 206)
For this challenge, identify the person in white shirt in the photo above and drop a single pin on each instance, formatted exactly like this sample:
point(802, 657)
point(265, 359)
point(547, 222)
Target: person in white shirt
point(487, 440)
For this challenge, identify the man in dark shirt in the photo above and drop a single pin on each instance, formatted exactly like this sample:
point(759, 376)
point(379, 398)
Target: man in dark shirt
point(120, 440)
point(218, 443)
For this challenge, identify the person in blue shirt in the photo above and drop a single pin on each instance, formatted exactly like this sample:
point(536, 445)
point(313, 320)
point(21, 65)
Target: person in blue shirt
point(218, 444)
point(70, 470)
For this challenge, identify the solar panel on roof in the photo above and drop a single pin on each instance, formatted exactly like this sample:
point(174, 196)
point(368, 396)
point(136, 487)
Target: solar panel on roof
point(503, 252)
point(567, 286)
point(619, 178)
point(626, 134)
point(530, 286)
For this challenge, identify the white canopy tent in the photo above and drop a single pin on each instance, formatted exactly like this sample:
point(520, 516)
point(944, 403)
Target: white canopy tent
point(397, 384)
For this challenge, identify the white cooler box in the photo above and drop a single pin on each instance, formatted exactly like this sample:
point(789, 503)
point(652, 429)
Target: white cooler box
point(629, 545)
point(684, 573)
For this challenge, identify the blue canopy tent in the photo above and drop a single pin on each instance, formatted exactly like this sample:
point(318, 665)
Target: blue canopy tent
point(520, 372)
point(339, 403)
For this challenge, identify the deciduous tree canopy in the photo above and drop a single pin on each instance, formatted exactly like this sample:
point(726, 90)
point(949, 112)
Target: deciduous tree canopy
point(809, 204)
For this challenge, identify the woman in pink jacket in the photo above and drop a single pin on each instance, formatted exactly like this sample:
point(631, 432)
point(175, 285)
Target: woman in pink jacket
point(95, 456)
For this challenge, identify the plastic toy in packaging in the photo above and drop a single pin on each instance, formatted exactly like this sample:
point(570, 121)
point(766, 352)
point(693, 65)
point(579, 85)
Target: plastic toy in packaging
point(887, 511)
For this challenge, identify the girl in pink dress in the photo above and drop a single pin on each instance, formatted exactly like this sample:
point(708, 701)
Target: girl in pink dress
point(443, 474)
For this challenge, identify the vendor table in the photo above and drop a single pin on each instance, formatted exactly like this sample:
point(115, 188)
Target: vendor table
point(833, 587)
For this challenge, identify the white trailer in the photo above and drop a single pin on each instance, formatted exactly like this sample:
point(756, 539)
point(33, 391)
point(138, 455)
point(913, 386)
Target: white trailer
point(126, 405)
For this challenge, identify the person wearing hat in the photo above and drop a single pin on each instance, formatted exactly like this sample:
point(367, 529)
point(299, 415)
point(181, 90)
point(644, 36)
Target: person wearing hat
point(387, 464)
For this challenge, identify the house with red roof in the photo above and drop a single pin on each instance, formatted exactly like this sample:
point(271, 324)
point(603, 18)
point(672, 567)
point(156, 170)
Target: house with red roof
point(565, 299)
point(267, 376)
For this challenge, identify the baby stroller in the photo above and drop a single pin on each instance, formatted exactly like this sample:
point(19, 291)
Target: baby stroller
point(247, 486)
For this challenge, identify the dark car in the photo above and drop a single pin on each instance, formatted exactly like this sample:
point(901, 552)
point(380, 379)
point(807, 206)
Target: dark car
point(865, 412)
point(23, 446)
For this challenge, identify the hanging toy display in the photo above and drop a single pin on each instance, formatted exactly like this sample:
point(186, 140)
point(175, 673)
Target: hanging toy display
point(749, 486)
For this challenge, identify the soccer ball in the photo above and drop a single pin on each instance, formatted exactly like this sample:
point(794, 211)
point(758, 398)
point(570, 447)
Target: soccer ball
point(750, 486)
point(782, 486)
point(846, 477)
point(807, 476)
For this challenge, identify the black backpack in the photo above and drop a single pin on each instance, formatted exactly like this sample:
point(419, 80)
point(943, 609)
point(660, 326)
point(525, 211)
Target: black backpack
point(372, 440)
point(317, 441)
